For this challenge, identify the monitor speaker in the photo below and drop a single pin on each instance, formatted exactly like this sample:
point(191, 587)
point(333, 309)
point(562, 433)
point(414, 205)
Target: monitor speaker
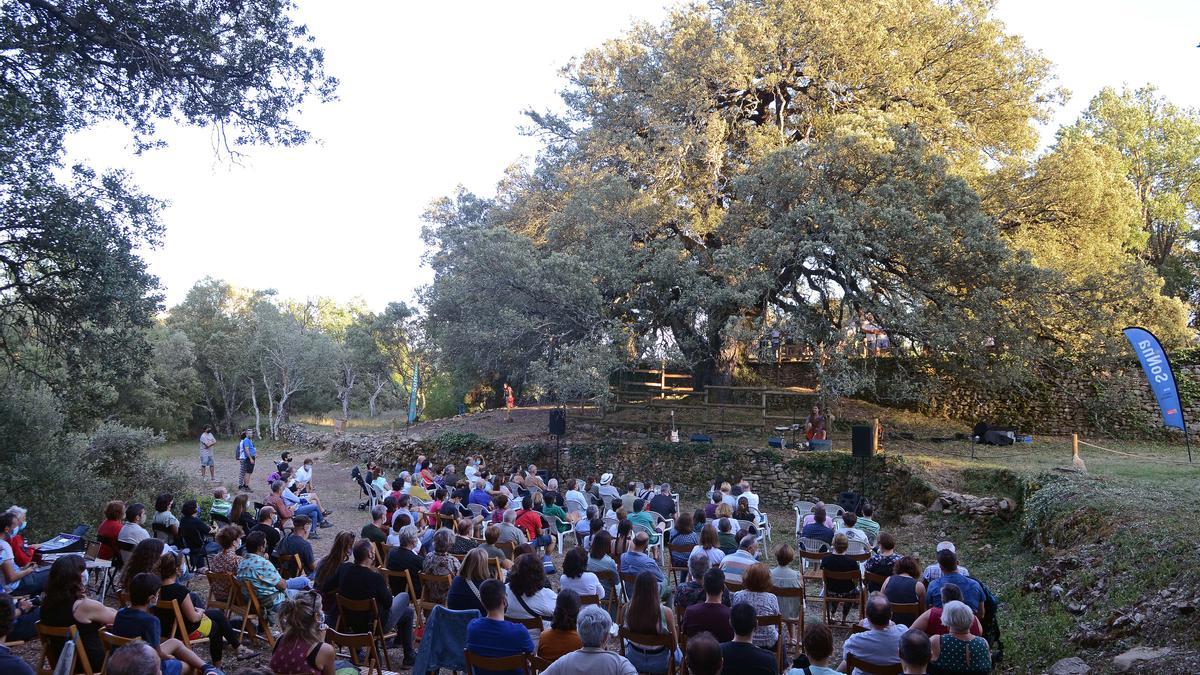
point(558, 422)
point(862, 440)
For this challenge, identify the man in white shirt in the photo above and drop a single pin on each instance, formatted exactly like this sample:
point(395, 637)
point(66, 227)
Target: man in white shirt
point(133, 532)
point(880, 643)
point(751, 498)
point(574, 497)
point(304, 476)
point(934, 571)
point(207, 441)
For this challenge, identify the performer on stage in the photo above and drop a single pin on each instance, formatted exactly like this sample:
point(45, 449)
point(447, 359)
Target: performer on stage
point(814, 425)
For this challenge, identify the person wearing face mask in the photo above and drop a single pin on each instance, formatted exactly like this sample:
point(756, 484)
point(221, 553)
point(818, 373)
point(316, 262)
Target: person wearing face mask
point(21, 553)
point(14, 578)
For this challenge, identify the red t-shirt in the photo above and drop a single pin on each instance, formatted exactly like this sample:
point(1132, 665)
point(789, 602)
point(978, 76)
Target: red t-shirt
point(936, 627)
point(530, 522)
point(21, 555)
point(110, 529)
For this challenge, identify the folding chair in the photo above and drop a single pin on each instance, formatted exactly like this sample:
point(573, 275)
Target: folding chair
point(434, 580)
point(290, 567)
point(733, 586)
point(627, 581)
point(677, 571)
point(612, 590)
point(111, 643)
point(829, 603)
point(873, 581)
point(537, 664)
point(590, 599)
point(532, 623)
point(795, 626)
point(353, 643)
point(368, 606)
point(650, 640)
point(780, 652)
point(255, 608)
point(853, 662)
point(495, 663)
point(403, 580)
point(178, 627)
point(49, 660)
point(383, 551)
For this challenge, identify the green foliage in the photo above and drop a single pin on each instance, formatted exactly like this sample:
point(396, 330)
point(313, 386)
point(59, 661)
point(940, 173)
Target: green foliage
point(164, 396)
point(66, 478)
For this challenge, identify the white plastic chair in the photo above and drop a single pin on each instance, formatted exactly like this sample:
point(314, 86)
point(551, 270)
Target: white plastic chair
point(554, 522)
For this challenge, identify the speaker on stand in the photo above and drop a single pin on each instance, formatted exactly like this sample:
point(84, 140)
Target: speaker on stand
point(558, 429)
point(863, 446)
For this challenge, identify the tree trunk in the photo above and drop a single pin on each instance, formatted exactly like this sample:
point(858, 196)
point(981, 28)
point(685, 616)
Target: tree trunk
point(257, 412)
point(270, 404)
point(374, 397)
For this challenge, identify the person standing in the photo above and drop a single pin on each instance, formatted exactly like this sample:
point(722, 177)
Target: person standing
point(207, 441)
point(245, 455)
point(509, 402)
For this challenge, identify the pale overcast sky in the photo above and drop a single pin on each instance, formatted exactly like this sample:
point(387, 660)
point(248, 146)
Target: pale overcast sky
point(431, 98)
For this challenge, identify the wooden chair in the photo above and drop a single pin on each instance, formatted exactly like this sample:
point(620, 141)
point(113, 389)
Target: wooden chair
point(650, 640)
point(675, 571)
point(290, 567)
point(426, 601)
point(227, 581)
point(255, 608)
point(178, 627)
point(48, 663)
point(494, 663)
point(590, 599)
point(734, 586)
point(111, 643)
point(533, 623)
point(912, 608)
point(368, 606)
point(795, 627)
point(612, 589)
point(537, 664)
point(830, 603)
point(509, 548)
point(497, 568)
point(872, 578)
point(776, 620)
point(853, 662)
point(627, 581)
point(383, 551)
point(353, 643)
point(810, 563)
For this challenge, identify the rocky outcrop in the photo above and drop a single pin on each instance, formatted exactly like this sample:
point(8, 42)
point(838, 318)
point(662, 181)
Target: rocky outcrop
point(979, 508)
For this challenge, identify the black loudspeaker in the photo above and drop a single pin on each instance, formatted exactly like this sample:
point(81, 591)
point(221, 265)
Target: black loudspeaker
point(862, 440)
point(850, 501)
point(558, 422)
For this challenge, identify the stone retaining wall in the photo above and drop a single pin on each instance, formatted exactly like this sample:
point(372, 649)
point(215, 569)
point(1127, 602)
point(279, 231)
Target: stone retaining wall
point(778, 478)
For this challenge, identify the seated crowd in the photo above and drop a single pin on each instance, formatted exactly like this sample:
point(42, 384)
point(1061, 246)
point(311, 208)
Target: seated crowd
point(695, 584)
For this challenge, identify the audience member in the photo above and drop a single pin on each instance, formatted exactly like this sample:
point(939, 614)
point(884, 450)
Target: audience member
point(374, 530)
point(509, 532)
point(266, 516)
point(662, 503)
point(740, 656)
point(957, 651)
point(704, 655)
point(692, 591)
point(133, 532)
point(136, 621)
point(646, 615)
point(883, 561)
point(239, 513)
point(847, 527)
point(933, 571)
point(838, 561)
point(817, 641)
point(67, 604)
point(915, 652)
point(165, 524)
point(743, 511)
point(464, 589)
point(783, 576)
point(10, 613)
point(735, 564)
point(711, 615)
point(600, 560)
point(135, 658)
point(404, 556)
point(301, 648)
point(144, 558)
point(904, 588)
point(440, 562)
point(867, 523)
point(529, 593)
point(811, 517)
point(361, 581)
point(931, 621)
point(710, 544)
point(110, 529)
point(575, 576)
point(726, 536)
point(295, 543)
point(818, 529)
point(593, 625)
point(268, 586)
point(636, 561)
point(27, 580)
point(757, 593)
point(491, 635)
point(217, 627)
point(221, 504)
point(951, 573)
point(561, 638)
point(491, 536)
point(329, 572)
point(878, 644)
